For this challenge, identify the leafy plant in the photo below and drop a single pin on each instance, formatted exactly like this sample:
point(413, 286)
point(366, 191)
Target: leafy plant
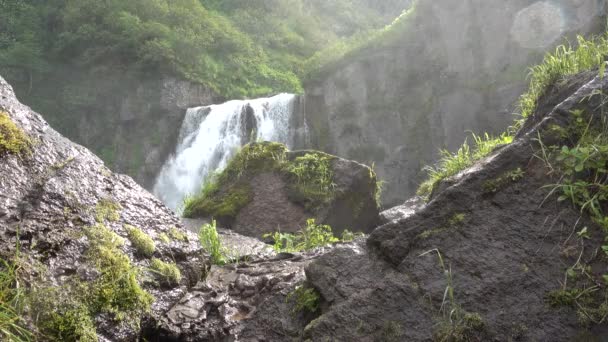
point(312, 236)
point(306, 299)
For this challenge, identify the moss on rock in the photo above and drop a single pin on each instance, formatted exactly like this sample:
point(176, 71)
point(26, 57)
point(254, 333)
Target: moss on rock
point(12, 139)
point(168, 272)
point(141, 241)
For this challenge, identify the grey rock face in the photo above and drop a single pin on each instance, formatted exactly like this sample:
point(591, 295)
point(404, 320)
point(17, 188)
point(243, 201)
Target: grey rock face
point(503, 251)
point(458, 67)
point(49, 198)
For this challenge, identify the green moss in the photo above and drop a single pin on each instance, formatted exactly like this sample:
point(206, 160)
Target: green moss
point(305, 299)
point(164, 238)
point(561, 298)
point(223, 206)
point(453, 222)
point(503, 180)
point(167, 271)
point(107, 210)
point(70, 324)
point(141, 241)
point(12, 138)
point(310, 179)
point(12, 325)
point(468, 327)
point(177, 235)
point(116, 290)
point(391, 332)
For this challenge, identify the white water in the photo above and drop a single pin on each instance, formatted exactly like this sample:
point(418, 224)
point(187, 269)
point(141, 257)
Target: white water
point(210, 136)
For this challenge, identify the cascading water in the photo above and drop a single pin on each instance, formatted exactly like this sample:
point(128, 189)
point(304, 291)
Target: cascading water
point(210, 136)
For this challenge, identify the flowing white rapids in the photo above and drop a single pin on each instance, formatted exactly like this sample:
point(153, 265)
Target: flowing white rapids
point(211, 135)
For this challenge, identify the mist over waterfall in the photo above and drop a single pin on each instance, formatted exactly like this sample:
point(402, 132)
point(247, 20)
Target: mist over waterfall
point(210, 136)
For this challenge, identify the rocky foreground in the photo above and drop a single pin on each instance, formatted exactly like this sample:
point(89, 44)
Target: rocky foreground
point(484, 260)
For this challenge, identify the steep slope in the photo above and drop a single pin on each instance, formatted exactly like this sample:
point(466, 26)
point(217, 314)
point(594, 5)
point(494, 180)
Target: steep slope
point(442, 70)
point(93, 249)
point(492, 256)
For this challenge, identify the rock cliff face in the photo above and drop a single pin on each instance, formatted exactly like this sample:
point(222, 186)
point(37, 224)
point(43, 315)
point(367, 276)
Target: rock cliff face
point(131, 122)
point(74, 222)
point(456, 67)
point(485, 259)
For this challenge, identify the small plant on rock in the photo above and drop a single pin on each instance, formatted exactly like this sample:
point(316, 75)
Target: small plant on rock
point(169, 272)
point(210, 240)
point(12, 138)
point(141, 241)
point(306, 299)
point(312, 236)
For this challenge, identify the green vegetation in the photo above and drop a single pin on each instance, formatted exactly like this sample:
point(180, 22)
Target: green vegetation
point(141, 241)
point(225, 194)
point(455, 325)
point(210, 240)
point(12, 139)
point(164, 238)
point(466, 328)
point(311, 237)
point(167, 271)
point(107, 210)
point(505, 179)
point(326, 60)
point(12, 300)
point(451, 164)
point(177, 235)
point(305, 299)
point(116, 290)
point(312, 178)
point(237, 48)
point(565, 61)
point(453, 222)
point(70, 322)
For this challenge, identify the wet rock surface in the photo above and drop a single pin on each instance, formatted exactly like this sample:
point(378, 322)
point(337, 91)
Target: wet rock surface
point(503, 251)
point(48, 199)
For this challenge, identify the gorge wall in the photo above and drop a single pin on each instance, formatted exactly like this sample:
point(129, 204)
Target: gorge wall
point(130, 121)
point(454, 67)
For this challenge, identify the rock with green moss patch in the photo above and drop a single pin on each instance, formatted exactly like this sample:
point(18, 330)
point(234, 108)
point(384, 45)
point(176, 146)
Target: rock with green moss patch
point(267, 188)
point(12, 138)
point(168, 272)
point(141, 241)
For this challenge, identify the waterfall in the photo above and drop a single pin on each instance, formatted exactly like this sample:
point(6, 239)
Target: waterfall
point(210, 136)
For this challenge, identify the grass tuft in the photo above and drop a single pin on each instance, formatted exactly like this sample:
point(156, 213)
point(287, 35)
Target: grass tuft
point(311, 237)
point(305, 299)
point(451, 164)
point(210, 240)
point(12, 301)
point(565, 61)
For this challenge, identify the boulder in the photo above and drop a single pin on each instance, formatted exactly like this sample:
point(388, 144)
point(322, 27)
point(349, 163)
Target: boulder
point(86, 239)
point(491, 257)
point(267, 188)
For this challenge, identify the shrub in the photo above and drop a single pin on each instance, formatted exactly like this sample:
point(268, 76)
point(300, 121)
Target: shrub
point(141, 241)
point(312, 177)
point(167, 271)
point(12, 138)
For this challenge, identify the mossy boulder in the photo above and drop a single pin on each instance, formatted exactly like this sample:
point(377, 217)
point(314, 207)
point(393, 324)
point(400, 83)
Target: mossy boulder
point(268, 188)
